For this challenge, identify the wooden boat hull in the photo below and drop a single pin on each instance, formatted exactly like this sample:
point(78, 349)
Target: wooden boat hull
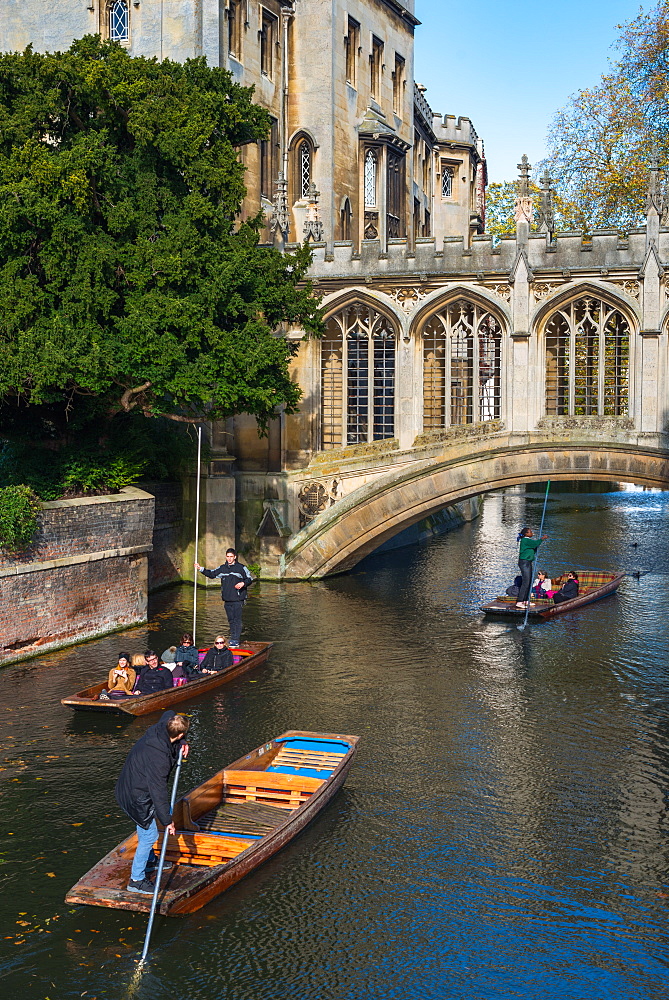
point(542, 613)
point(143, 704)
point(105, 884)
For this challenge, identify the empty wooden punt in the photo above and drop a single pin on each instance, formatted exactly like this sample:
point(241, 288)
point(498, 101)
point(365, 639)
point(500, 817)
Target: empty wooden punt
point(230, 824)
point(88, 700)
point(593, 586)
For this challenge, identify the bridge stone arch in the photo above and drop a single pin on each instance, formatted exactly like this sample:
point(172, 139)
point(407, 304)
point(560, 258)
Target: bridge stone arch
point(354, 526)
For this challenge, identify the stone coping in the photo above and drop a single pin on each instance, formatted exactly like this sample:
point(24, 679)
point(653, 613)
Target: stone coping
point(127, 493)
point(75, 560)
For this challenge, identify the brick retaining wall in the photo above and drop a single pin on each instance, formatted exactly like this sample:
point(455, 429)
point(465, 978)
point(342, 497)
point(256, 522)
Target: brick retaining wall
point(86, 574)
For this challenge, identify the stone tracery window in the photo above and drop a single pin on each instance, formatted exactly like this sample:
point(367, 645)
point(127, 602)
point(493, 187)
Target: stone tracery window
point(461, 366)
point(587, 360)
point(119, 24)
point(357, 377)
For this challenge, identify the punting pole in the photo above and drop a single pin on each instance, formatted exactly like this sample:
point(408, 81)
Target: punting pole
point(197, 523)
point(161, 862)
point(521, 628)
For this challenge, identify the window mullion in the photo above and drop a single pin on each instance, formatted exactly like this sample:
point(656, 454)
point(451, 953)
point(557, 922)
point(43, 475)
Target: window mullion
point(344, 388)
point(601, 370)
point(448, 384)
point(370, 386)
point(572, 365)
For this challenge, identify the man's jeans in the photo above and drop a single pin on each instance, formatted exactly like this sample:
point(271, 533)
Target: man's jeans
point(145, 841)
point(233, 610)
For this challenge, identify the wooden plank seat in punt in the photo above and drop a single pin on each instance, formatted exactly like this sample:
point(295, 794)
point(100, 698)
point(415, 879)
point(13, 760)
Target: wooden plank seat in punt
point(287, 791)
point(315, 760)
point(206, 849)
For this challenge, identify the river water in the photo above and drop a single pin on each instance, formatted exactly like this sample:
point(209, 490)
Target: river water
point(503, 831)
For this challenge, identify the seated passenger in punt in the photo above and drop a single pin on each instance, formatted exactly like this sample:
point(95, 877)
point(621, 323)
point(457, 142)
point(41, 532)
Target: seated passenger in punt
point(542, 586)
point(219, 657)
point(137, 662)
point(186, 658)
point(154, 677)
point(121, 680)
point(514, 589)
point(569, 590)
point(168, 656)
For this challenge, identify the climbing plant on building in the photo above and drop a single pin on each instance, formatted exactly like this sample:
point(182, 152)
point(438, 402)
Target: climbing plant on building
point(127, 282)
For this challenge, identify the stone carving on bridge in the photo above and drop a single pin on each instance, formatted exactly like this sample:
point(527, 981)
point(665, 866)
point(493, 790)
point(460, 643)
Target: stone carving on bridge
point(502, 289)
point(408, 298)
point(544, 289)
point(315, 497)
point(629, 286)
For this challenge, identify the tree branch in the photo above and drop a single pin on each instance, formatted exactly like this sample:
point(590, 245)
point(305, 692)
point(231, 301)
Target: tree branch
point(127, 401)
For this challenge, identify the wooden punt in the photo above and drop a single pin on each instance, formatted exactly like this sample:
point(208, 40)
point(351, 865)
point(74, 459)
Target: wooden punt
point(88, 700)
point(593, 585)
point(230, 824)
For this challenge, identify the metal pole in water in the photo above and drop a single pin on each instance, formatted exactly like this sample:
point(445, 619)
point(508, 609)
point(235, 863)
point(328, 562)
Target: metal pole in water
point(521, 628)
point(161, 862)
point(197, 523)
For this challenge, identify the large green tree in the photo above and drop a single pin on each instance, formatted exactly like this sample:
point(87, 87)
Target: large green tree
point(601, 142)
point(125, 282)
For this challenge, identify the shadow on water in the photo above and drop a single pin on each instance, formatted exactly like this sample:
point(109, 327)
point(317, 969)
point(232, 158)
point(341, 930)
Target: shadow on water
point(502, 832)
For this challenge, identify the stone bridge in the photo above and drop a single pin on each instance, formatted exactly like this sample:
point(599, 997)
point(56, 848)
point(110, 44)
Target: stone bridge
point(409, 486)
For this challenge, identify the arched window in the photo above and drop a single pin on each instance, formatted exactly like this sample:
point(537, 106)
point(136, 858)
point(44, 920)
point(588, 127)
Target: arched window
point(587, 360)
point(303, 169)
point(462, 370)
point(345, 220)
point(357, 377)
point(119, 27)
point(370, 178)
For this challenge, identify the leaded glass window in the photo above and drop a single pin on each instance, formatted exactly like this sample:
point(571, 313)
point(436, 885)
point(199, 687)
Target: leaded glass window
point(587, 360)
point(371, 164)
point(462, 373)
point(304, 168)
point(357, 377)
point(446, 181)
point(119, 27)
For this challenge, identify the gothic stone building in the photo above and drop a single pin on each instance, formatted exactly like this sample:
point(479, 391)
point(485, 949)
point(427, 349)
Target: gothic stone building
point(436, 337)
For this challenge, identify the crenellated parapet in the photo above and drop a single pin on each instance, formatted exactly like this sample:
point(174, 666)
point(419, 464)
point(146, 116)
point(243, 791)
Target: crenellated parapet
point(604, 251)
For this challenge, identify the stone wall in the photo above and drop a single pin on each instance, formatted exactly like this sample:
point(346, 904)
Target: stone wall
point(86, 574)
point(166, 561)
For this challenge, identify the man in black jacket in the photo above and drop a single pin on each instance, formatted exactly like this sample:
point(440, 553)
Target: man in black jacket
point(153, 677)
point(141, 791)
point(235, 579)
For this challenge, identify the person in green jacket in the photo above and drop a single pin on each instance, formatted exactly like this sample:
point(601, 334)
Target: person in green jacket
point(526, 557)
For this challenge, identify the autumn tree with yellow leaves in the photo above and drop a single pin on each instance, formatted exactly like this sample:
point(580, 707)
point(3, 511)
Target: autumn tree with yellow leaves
point(601, 142)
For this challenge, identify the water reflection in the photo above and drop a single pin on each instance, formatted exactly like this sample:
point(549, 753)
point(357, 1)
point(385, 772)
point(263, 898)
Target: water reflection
point(503, 830)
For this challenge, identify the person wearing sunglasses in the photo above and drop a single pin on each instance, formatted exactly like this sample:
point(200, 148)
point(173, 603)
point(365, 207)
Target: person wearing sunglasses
point(217, 658)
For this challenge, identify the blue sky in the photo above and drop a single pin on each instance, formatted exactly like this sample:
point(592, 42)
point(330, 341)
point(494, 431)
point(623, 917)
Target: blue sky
point(509, 66)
